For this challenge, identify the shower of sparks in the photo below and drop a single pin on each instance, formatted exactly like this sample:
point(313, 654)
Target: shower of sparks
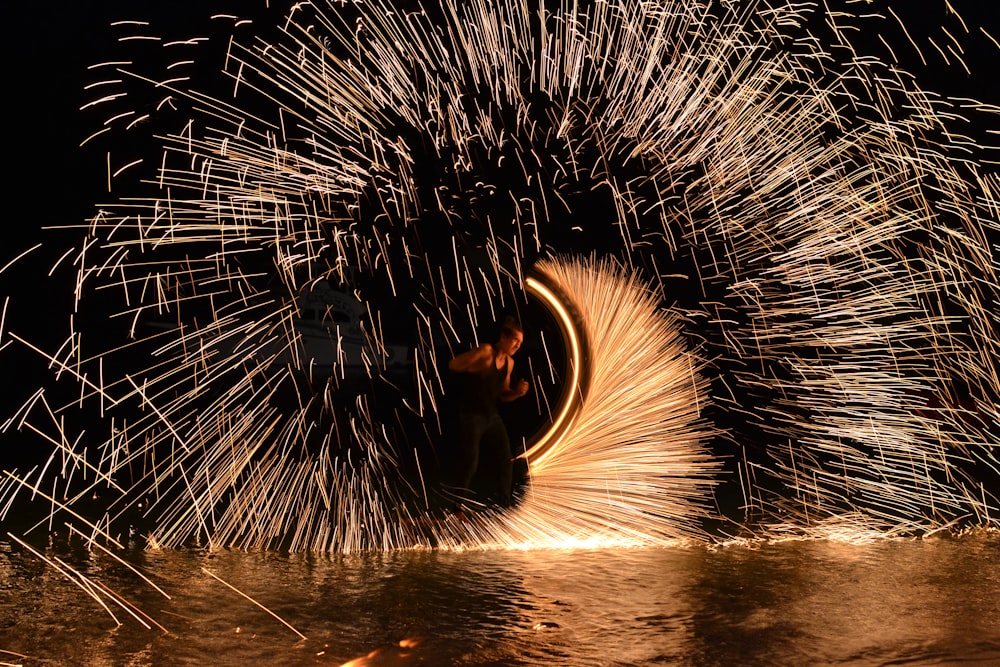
point(630, 467)
point(810, 220)
point(258, 604)
point(94, 588)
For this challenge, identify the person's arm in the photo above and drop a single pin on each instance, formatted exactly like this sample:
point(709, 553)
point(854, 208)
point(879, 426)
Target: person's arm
point(475, 360)
point(508, 393)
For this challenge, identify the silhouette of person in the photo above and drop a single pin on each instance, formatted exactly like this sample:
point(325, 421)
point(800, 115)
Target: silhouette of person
point(486, 372)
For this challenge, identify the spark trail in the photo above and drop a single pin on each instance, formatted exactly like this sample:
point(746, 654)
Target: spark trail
point(801, 312)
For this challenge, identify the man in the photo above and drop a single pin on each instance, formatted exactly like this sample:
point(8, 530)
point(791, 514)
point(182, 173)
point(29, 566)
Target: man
point(487, 372)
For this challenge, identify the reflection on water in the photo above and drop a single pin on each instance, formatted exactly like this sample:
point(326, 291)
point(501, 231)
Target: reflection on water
point(935, 601)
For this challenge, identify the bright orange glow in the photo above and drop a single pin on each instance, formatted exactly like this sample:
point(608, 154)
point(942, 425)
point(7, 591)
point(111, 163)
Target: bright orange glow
point(569, 402)
point(623, 463)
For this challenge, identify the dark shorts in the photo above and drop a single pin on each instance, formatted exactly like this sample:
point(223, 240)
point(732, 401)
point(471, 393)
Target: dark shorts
point(479, 433)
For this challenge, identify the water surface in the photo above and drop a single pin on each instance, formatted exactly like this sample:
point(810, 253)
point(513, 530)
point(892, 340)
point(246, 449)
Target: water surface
point(911, 602)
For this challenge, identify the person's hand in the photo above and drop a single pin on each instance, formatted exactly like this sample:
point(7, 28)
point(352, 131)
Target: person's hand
point(521, 389)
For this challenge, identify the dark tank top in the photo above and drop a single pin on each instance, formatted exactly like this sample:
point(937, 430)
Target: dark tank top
point(480, 392)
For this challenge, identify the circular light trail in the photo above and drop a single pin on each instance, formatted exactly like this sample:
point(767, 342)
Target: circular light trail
point(574, 390)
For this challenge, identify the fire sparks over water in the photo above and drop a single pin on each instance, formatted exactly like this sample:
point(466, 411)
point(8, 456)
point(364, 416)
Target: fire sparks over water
point(791, 323)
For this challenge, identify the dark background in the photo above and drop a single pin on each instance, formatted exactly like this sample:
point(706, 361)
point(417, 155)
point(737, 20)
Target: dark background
point(51, 181)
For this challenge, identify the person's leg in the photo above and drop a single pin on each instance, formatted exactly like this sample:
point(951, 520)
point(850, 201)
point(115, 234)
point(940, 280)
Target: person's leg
point(470, 433)
point(499, 447)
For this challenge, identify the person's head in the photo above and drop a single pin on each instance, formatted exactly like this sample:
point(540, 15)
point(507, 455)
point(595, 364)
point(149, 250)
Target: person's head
point(511, 336)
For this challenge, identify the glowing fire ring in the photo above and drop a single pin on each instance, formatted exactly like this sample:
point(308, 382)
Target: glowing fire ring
point(577, 352)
